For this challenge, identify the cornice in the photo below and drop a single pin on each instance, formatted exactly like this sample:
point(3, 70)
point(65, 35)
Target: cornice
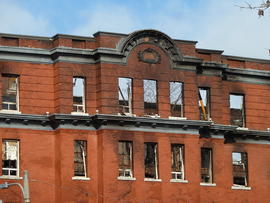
point(205, 129)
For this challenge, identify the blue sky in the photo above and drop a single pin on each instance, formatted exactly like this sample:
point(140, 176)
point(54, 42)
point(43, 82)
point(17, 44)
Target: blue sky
point(215, 24)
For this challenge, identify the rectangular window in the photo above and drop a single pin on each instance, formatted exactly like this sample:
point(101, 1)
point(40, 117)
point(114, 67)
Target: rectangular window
point(237, 110)
point(125, 95)
point(80, 158)
point(150, 97)
point(78, 94)
point(204, 103)
point(10, 158)
point(240, 168)
point(10, 96)
point(177, 151)
point(151, 160)
point(125, 159)
point(176, 99)
point(206, 165)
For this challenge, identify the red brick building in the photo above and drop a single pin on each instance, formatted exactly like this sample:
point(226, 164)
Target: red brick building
point(132, 118)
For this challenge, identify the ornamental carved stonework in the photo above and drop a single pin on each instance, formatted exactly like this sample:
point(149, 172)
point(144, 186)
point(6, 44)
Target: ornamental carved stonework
point(149, 56)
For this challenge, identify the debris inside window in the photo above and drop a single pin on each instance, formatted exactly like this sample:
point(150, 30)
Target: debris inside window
point(177, 151)
point(125, 159)
point(10, 158)
point(237, 110)
point(150, 97)
point(10, 93)
point(240, 168)
point(125, 95)
point(78, 94)
point(204, 103)
point(80, 158)
point(176, 99)
point(151, 160)
point(206, 165)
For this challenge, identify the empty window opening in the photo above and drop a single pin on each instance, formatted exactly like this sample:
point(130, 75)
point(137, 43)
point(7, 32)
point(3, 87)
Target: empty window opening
point(204, 103)
point(206, 165)
point(125, 159)
point(125, 95)
point(80, 158)
point(151, 160)
point(240, 168)
point(237, 110)
point(78, 94)
point(10, 158)
point(150, 97)
point(176, 99)
point(177, 151)
point(10, 93)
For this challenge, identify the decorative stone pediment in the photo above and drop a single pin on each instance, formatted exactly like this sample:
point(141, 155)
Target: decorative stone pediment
point(151, 37)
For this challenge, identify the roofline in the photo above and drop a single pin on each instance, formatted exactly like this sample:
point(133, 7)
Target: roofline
point(248, 59)
point(209, 51)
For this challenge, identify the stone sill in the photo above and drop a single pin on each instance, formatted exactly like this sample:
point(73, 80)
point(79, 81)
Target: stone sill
point(126, 178)
point(10, 111)
point(208, 184)
point(11, 177)
point(178, 181)
point(240, 187)
point(80, 178)
point(152, 180)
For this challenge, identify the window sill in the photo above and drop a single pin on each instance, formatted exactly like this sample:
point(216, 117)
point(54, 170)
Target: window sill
point(178, 181)
point(152, 180)
point(79, 114)
point(80, 178)
point(11, 177)
point(125, 178)
point(177, 118)
point(208, 184)
point(241, 128)
point(10, 111)
point(240, 187)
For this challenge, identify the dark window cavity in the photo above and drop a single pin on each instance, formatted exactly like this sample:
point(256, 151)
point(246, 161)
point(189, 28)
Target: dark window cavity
point(151, 160)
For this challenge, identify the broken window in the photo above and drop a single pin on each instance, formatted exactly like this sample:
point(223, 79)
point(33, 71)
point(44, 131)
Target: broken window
point(206, 165)
point(78, 94)
point(176, 99)
point(125, 159)
point(125, 95)
point(177, 151)
point(204, 103)
point(80, 158)
point(240, 168)
point(10, 93)
point(10, 158)
point(151, 160)
point(150, 97)
point(237, 110)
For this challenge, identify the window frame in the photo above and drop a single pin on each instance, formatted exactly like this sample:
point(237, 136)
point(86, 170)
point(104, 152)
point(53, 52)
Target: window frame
point(208, 102)
point(131, 170)
point(83, 97)
point(243, 113)
point(17, 94)
point(210, 166)
point(156, 159)
point(9, 176)
point(182, 159)
point(85, 160)
point(245, 165)
point(130, 103)
point(182, 99)
point(156, 98)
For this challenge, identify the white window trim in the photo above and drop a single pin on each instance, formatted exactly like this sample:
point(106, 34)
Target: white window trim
point(178, 181)
point(79, 113)
point(10, 111)
point(80, 178)
point(208, 184)
point(152, 180)
point(240, 187)
point(18, 162)
point(125, 178)
point(177, 118)
point(11, 177)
